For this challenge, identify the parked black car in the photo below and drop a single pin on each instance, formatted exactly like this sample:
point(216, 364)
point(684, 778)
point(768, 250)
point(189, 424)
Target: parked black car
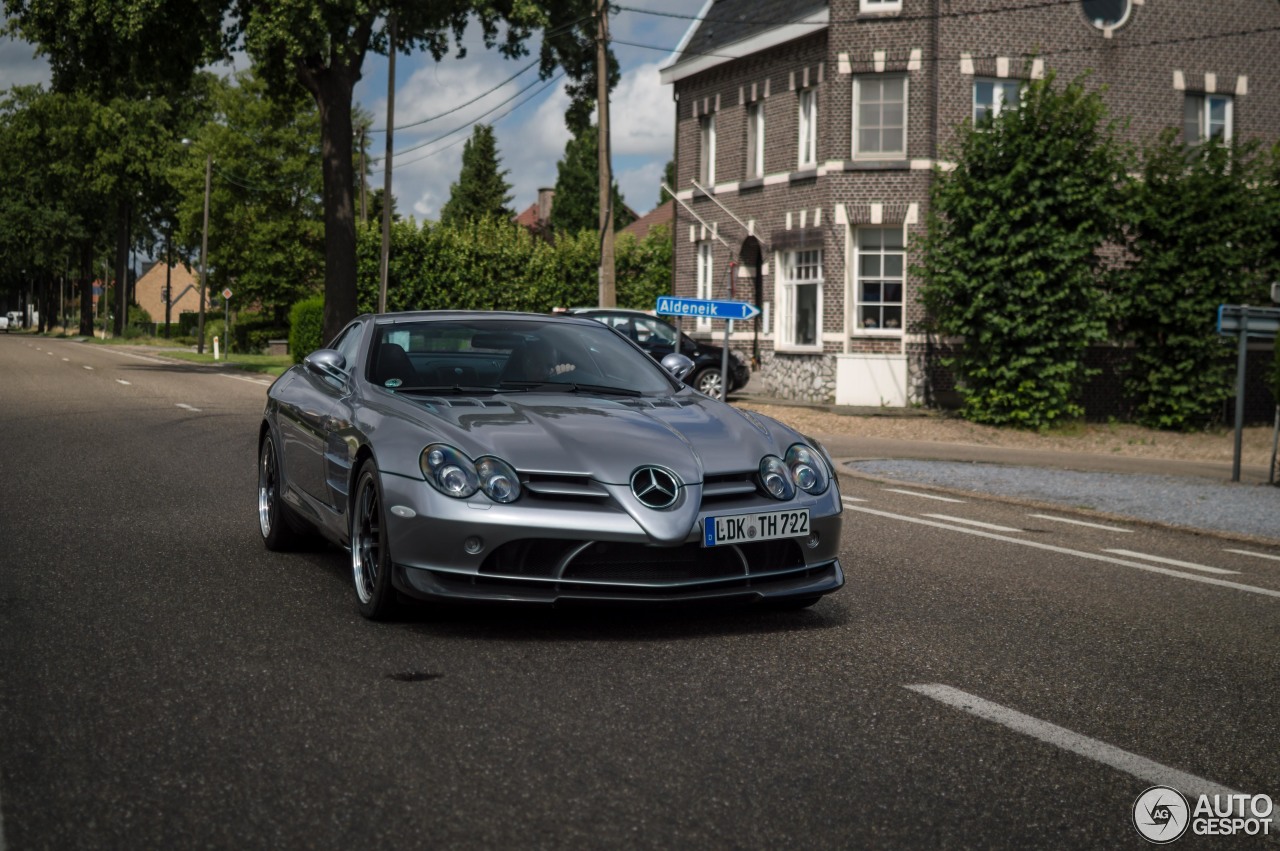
point(658, 338)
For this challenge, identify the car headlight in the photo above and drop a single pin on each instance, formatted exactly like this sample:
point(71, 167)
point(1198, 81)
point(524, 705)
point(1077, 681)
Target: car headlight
point(776, 478)
point(803, 468)
point(498, 480)
point(454, 474)
point(808, 469)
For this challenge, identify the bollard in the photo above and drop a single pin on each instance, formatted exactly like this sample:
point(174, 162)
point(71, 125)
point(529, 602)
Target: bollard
point(215, 348)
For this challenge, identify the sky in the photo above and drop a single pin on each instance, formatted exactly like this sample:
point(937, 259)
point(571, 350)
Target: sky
point(529, 127)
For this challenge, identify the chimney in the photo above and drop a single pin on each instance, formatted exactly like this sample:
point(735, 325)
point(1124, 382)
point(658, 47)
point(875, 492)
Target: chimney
point(545, 197)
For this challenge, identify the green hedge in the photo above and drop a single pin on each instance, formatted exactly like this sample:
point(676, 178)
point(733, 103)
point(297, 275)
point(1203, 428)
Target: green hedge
point(490, 265)
point(306, 327)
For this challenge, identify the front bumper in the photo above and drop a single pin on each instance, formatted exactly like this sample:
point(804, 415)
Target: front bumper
point(539, 551)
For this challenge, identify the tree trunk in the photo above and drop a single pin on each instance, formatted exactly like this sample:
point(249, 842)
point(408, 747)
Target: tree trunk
point(122, 268)
point(86, 290)
point(332, 88)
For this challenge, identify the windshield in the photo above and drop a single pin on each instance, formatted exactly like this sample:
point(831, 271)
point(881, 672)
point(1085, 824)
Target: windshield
point(510, 355)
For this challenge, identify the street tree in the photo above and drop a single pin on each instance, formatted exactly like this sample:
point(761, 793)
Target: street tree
point(482, 189)
point(1011, 260)
point(266, 233)
point(1202, 232)
point(321, 46)
point(577, 199)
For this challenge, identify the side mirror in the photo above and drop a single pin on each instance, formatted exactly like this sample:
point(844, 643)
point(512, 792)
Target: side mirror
point(326, 363)
point(678, 365)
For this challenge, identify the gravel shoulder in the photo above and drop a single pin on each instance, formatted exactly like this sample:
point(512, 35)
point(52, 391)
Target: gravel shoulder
point(1111, 470)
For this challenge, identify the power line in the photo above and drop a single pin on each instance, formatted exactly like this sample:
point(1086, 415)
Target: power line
point(551, 32)
point(460, 106)
point(430, 154)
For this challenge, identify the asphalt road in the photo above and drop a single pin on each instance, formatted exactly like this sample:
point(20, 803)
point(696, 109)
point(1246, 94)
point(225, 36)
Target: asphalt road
point(167, 683)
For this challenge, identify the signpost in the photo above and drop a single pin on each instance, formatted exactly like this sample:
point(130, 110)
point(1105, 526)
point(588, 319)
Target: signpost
point(226, 327)
point(1245, 322)
point(709, 309)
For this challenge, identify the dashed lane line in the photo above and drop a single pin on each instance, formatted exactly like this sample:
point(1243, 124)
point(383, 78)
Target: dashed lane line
point(122, 381)
point(1079, 523)
point(187, 407)
point(86, 366)
point(1255, 555)
point(923, 495)
point(1111, 756)
point(1149, 568)
point(993, 527)
point(1173, 561)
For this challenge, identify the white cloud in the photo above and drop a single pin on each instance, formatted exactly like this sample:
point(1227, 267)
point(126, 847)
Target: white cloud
point(19, 65)
point(642, 115)
point(640, 186)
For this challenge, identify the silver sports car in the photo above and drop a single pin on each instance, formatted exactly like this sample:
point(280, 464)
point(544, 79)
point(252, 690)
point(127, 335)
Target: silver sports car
point(538, 459)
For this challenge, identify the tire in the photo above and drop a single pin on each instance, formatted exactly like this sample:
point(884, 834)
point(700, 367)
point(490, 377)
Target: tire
point(707, 381)
point(280, 530)
point(370, 555)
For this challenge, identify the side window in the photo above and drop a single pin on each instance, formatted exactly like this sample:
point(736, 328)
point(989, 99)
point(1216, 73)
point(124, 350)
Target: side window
point(348, 345)
point(655, 331)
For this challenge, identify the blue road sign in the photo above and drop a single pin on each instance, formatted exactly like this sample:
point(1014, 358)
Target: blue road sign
point(1261, 321)
point(672, 306)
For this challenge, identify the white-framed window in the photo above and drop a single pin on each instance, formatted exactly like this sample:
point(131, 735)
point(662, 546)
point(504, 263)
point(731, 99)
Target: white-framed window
point(706, 278)
point(992, 97)
point(880, 270)
point(755, 139)
point(808, 127)
point(707, 154)
point(880, 116)
point(800, 300)
point(879, 7)
point(1206, 117)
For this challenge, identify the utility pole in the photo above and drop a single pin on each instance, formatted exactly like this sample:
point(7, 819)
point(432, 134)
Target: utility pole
point(386, 183)
point(608, 294)
point(364, 210)
point(204, 250)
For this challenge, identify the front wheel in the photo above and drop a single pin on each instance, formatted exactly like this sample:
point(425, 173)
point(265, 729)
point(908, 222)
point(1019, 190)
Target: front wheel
point(279, 532)
point(370, 555)
point(708, 382)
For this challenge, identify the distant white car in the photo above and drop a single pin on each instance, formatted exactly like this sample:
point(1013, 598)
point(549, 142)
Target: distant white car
point(4, 324)
point(13, 319)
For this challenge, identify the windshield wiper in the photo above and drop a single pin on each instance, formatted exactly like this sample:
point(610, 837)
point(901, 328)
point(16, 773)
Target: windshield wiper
point(566, 387)
point(444, 388)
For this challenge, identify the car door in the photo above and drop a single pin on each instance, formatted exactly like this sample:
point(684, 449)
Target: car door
point(310, 418)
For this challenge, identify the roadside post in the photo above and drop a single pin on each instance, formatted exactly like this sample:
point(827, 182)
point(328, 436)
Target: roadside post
point(226, 322)
point(725, 310)
point(1244, 321)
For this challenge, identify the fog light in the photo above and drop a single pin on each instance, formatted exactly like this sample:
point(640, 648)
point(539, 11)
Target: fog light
point(473, 545)
point(813, 541)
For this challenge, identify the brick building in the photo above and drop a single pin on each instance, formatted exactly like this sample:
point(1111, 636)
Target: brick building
point(807, 132)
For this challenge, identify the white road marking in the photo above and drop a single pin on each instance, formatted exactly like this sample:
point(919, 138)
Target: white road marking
point(1069, 740)
point(66, 360)
point(924, 495)
point(122, 381)
point(1172, 561)
point(187, 407)
point(258, 381)
point(977, 523)
point(1080, 523)
point(135, 356)
point(86, 366)
point(1150, 568)
point(1255, 555)
point(848, 499)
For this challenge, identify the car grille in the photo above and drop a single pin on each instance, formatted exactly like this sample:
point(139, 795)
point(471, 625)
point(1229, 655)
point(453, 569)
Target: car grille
point(625, 563)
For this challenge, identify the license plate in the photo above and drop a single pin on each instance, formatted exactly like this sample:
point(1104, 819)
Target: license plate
point(745, 528)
